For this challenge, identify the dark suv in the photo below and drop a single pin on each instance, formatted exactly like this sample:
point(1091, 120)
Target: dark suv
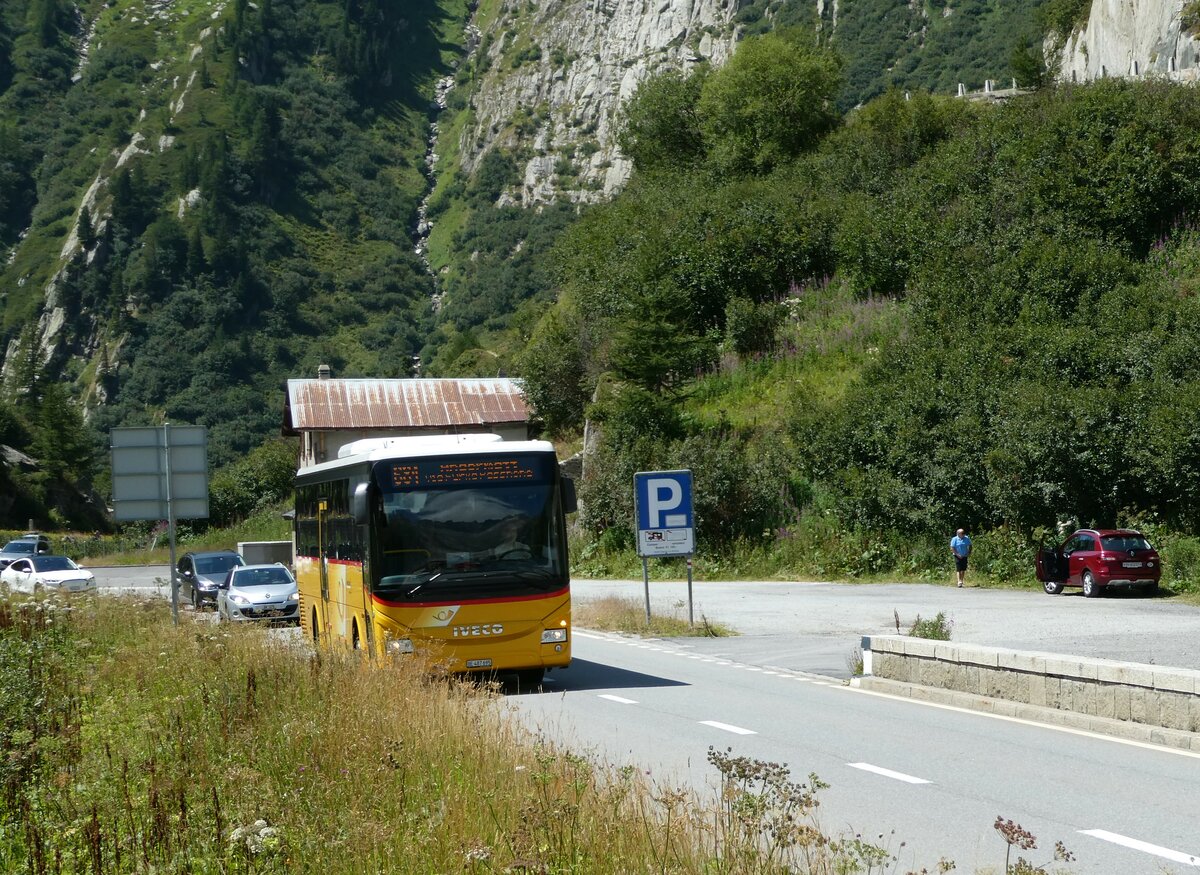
point(1098, 558)
point(23, 547)
point(201, 573)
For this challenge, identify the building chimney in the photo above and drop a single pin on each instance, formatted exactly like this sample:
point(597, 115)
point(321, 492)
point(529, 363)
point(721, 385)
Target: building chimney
point(324, 372)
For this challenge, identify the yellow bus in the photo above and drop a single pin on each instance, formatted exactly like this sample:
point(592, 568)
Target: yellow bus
point(453, 546)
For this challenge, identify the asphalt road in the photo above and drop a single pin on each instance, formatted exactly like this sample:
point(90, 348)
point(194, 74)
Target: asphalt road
point(923, 781)
point(816, 627)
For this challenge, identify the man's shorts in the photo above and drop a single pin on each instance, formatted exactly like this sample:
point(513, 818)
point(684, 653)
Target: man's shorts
point(960, 563)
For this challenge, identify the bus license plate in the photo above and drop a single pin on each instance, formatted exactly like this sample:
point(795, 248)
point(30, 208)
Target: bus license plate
point(479, 663)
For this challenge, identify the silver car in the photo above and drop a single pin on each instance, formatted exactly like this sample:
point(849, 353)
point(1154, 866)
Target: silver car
point(259, 592)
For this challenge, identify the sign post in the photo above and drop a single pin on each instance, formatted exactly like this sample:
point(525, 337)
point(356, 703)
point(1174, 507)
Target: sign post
point(665, 523)
point(161, 473)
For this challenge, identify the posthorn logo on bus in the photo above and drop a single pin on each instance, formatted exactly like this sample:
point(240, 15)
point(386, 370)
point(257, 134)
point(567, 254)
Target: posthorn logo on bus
point(476, 631)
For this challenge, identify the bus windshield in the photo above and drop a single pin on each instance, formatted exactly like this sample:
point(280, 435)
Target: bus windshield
point(473, 527)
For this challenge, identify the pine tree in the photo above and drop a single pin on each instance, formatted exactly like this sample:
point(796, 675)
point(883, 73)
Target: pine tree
point(61, 442)
point(85, 230)
point(196, 263)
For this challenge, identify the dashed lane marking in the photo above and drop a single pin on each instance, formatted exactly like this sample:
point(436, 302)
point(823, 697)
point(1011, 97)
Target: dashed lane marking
point(619, 699)
point(737, 730)
point(887, 773)
point(1144, 847)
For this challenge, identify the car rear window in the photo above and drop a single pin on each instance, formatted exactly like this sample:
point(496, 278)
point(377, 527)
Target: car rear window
point(216, 564)
point(262, 577)
point(1124, 543)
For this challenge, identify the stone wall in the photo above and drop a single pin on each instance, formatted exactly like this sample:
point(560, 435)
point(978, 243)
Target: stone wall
point(1125, 692)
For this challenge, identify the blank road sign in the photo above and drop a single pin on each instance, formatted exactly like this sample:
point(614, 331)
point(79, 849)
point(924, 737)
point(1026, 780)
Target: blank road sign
point(140, 460)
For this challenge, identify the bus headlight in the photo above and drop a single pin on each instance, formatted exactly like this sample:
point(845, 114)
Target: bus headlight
point(552, 636)
point(399, 645)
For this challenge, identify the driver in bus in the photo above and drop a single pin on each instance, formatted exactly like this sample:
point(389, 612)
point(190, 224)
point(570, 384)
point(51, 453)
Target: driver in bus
point(513, 540)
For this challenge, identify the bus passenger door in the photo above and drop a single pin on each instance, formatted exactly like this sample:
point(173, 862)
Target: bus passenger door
point(360, 526)
point(322, 566)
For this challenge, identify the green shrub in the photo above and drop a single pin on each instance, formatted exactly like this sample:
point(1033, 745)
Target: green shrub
point(937, 629)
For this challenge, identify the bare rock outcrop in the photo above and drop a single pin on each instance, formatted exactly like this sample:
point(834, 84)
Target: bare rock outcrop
point(555, 77)
point(1149, 38)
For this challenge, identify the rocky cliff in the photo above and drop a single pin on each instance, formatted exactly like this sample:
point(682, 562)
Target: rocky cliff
point(553, 75)
point(1132, 39)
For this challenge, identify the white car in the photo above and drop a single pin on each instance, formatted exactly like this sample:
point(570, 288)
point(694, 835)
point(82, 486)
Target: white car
point(36, 573)
point(259, 592)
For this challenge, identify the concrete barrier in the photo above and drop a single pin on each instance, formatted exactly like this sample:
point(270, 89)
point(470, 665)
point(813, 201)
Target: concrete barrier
point(1150, 702)
point(266, 552)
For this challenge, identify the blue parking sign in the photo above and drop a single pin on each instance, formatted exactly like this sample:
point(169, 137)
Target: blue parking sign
point(663, 500)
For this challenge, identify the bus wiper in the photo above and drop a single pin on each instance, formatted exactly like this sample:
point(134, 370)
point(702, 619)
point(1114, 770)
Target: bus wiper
point(416, 589)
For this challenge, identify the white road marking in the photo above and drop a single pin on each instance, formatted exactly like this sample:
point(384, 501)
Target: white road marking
point(734, 729)
point(1069, 730)
point(619, 699)
point(1145, 745)
point(887, 773)
point(1145, 847)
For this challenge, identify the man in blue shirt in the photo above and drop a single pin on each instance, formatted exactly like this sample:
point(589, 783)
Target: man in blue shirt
point(960, 546)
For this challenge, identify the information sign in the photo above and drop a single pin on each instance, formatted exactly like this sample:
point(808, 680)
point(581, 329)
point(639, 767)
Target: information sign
point(664, 513)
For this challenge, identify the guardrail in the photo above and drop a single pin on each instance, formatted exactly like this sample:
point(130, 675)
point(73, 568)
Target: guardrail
point(1150, 702)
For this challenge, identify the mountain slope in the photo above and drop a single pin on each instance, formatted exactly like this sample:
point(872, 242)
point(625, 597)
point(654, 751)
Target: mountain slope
point(224, 198)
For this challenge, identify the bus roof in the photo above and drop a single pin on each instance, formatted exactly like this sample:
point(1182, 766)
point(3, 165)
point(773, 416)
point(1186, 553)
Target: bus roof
point(382, 449)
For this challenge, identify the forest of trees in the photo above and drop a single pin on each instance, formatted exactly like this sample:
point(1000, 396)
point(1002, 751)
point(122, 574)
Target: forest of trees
point(859, 325)
point(273, 234)
point(922, 315)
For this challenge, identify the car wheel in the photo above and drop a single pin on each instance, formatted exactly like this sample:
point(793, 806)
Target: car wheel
point(1090, 589)
point(1150, 590)
point(1052, 587)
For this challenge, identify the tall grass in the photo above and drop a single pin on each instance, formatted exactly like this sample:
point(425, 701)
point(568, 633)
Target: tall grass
point(131, 745)
point(616, 613)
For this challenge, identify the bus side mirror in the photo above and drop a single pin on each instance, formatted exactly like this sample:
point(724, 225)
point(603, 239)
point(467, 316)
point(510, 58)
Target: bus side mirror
point(569, 500)
point(358, 504)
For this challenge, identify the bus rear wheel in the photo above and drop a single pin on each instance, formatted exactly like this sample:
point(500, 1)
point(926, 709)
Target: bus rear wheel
point(316, 630)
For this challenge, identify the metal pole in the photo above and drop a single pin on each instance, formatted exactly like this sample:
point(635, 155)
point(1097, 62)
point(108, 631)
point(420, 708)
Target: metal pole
point(646, 584)
point(691, 619)
point(171, 524)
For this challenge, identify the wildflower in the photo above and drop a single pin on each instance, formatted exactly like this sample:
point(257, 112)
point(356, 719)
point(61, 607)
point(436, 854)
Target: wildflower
point(478, 854)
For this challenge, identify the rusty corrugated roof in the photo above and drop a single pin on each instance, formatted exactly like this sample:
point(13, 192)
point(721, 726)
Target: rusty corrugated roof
point(400, 404)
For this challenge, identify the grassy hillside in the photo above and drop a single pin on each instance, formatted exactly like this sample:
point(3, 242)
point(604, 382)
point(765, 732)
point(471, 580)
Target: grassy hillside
point(935, 315)
point(202, 202)
point(130, 744)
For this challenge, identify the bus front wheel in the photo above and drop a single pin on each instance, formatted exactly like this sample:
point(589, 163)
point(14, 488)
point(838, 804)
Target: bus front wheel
point(530, 679)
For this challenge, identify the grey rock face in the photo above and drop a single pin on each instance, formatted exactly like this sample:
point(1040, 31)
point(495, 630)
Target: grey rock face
point(557, 74)
point(1131, 40)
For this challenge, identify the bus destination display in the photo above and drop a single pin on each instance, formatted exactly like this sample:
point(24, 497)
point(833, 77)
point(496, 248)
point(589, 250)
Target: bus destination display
point(417, 474)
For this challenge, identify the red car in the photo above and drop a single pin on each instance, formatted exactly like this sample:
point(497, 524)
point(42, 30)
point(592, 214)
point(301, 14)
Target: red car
point(1098, 558)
